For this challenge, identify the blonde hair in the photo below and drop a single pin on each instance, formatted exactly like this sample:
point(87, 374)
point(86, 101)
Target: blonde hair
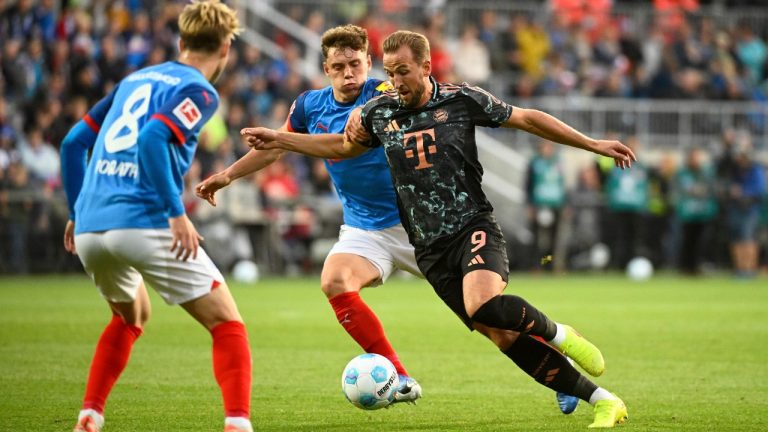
point(417, 42)
point(206, 25)
point(346, 36)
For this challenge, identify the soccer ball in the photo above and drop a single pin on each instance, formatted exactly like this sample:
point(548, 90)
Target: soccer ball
point(639, 269)
point(370, 381)
point(245, 271)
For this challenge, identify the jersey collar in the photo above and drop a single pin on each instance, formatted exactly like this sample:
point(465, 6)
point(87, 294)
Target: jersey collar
point(435, 90)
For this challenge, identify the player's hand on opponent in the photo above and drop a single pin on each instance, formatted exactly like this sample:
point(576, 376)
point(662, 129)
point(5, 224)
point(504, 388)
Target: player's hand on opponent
point(260, 138)
point(621, 154)
point(207, 188)
point(69, 237)
point(186, 240)
point(354, 130)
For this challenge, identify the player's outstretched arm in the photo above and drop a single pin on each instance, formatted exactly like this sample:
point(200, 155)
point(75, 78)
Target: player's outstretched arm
point(251, 162)
point(546, 126)
point(329, 146)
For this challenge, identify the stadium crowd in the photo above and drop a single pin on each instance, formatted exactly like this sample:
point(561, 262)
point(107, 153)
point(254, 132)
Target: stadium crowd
point(57, 59)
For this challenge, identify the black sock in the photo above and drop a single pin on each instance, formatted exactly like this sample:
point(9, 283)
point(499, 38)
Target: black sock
point(549, 367)
point(511, 312)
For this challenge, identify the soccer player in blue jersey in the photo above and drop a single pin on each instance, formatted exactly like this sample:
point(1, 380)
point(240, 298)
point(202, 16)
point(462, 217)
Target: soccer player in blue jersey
point(127, 221)
point(372, 242)
point(427, 130)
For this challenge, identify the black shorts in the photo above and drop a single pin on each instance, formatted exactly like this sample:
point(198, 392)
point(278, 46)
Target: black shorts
point(479, 245)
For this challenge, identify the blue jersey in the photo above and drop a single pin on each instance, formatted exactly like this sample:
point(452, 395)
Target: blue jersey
point(363, 183)
point(118, 191)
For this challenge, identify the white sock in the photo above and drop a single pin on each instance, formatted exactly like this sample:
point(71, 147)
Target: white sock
point(559, 336)
point(241, 422)
point(95, 415)
point(600, 394)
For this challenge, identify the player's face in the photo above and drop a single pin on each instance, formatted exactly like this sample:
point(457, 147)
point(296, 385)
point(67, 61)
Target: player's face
point(408, 77)
point(348, 69)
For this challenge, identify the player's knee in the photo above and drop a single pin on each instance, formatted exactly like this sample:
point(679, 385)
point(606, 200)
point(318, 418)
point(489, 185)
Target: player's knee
point(137, 319)
point(143, 317)
point(496, 313)
point(503, 339)
point(337, 284)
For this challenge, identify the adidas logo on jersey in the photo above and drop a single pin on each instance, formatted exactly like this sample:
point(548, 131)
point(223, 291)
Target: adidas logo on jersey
point(476, 260)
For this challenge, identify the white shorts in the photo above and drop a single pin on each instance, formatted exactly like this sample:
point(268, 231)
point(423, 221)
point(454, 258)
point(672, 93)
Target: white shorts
point(386, 249)
point(117, 260)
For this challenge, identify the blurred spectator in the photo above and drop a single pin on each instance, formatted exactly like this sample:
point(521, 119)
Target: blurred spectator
point(16, 70)
point(746, 192)
point(585, 209)
point(294, 220)
point(40, 158)
point(752, 52)
point(533, 45)
point(19, 202)
point(442, 60)
point(695, 208)
point(661, 248)
point(626, 193)
point(545, 191)
point(19, 20)
point(591, 15)
point(138, 41)
point(475, 64)
point(111, 63)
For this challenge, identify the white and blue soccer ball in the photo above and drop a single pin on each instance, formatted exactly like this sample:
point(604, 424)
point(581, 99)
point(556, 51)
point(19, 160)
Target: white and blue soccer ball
point(370, 381)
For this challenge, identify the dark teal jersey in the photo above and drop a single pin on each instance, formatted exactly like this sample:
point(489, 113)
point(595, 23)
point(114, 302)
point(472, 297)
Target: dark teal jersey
point(432, 155)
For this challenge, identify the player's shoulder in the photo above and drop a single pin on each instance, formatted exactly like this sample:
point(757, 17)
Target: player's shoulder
point(446, 89)
point(314, 97)
point(470, 91)
point(388, 99)
point(376, 85)
point(174, 76)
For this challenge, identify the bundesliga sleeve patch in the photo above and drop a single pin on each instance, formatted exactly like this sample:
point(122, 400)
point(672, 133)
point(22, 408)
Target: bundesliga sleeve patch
point(188, 113)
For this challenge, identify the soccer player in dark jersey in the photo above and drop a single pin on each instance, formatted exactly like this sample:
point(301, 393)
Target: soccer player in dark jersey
point(427, 130)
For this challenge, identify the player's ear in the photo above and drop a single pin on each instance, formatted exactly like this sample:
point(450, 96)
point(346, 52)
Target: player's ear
point(182, 45)
point(326, 69)
point(427, 67)
point(370, 62)
point(224, 50)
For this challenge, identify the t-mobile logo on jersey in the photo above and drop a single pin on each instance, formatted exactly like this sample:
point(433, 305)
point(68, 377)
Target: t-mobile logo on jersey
point(430, 148)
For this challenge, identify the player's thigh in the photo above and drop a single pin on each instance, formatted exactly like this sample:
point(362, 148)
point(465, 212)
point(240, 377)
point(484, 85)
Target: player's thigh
point(176, 281)
point(480, 286)
point(116, 279)
point(401, 250)
point(371, 246)
point(484, 263)
point(214, 308)
point(137, 312)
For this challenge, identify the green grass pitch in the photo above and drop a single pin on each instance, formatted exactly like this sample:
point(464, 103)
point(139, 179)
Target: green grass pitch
point(684, 354)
